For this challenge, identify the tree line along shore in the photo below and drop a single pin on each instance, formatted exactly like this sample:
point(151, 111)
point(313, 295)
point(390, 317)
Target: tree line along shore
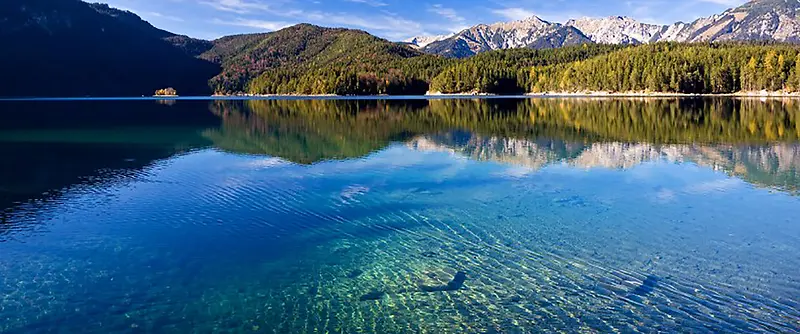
point(605, 70)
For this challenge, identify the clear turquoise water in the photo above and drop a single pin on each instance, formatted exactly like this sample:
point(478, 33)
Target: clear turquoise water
point(355, 216)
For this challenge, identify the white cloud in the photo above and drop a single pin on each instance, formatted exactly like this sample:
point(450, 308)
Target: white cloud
point(392, 26)
point(258, 24)
point(383, 23)
point(454, 21)
point(387, 24)
point(447, 13)
point(725, 2)
point(237, 6)
point(373, 3)
point(162, 16)
point(513, 13)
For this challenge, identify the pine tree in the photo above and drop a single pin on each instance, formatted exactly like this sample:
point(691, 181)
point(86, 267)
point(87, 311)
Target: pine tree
point(749, 75)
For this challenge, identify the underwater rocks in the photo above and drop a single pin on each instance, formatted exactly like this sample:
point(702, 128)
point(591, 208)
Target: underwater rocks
point(648, 285)
point(453, 285)
point(372, 295)
point(430, 254)
point(355, 273)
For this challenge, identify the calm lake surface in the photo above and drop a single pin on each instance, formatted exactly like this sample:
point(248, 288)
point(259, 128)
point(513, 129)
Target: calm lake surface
point(400, 216)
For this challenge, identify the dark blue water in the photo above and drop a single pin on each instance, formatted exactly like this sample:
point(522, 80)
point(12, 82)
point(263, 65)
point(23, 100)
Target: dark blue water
point(462, 216)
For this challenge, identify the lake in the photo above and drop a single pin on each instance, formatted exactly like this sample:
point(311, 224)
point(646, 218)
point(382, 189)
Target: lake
point(400, 216)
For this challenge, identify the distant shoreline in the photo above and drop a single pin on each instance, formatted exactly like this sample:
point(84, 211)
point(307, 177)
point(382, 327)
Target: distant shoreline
point(429, 95)
point(278, 95)
point(662, 94)
point(545, 94)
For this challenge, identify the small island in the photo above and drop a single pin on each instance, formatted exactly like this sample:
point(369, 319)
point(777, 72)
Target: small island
point(167, 92)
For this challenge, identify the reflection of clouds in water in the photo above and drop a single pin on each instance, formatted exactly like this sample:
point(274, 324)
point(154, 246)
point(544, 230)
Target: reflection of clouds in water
point(395, 157)
point(564, 169)
point(517, 172)
point(457, 165)
point(350, 193)
point(665, 196)
point(265, 163)
point(713, 186)
point(232, 182)
point(649, 171)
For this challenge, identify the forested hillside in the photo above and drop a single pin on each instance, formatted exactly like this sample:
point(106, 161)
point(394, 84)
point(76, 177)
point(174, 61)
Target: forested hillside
point(677, 68)
point(506, 71)
point(71, 48)
point(307, 59)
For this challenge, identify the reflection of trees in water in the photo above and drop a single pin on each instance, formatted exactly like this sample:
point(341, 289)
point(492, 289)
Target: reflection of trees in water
point(742, 137)
point(42, 172)
point(634, 120)
point(54, 146)
point(311, 131)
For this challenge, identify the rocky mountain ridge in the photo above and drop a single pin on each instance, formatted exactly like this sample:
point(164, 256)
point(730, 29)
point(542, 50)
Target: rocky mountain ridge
point(757, 20)
point(532, 32)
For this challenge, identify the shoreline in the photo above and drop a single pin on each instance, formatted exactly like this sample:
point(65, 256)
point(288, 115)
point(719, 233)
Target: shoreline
point(434, 95)
point(756, 94)
point(278, 95)
point(590, 94)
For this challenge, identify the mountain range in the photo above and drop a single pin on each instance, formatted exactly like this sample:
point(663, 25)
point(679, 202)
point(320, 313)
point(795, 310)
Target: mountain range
point(74, 48)
point(758, 20)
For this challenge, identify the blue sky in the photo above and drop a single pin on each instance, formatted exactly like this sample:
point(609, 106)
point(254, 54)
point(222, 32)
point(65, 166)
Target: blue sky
point(395, 19)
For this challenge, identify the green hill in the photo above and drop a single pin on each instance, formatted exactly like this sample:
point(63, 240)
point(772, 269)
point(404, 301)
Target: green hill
point(677, 68)
point(72, 48)
point(308, 59)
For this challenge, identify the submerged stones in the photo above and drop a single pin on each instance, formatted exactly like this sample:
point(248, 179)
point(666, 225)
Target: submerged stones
point(648, 285)
point(571, 201)
point(372, 295)
point(430, 254)
point(453, 285)
point(355, 273)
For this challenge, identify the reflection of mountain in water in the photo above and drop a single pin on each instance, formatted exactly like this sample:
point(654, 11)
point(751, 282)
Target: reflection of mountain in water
point(748, 138)
point(53, 146)
point(528, 153)
point(773, 165)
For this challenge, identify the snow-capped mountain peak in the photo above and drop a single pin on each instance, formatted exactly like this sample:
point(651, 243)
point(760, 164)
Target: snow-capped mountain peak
point(423, 41)
point(531, 32)
point(757, 20)
point(616, 30)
